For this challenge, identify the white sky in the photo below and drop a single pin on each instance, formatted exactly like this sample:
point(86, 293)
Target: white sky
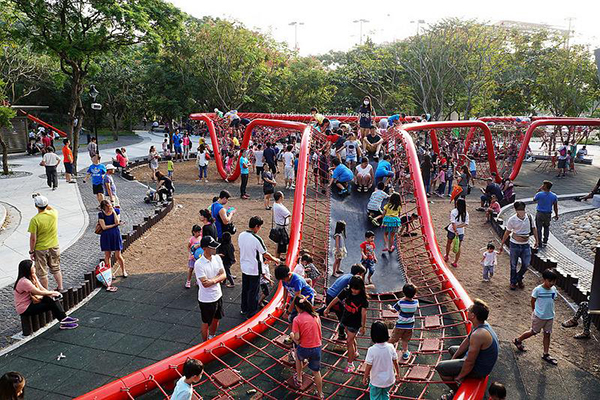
point(328, 25)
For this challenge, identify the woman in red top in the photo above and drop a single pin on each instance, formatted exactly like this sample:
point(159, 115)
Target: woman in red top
point(68, 160)
point(306, 333)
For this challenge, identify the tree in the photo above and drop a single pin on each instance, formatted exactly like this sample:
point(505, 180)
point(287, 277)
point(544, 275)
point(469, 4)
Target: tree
point(6, 114)
point(77, 32)
point(23, 70)
point(569, 82)
point(235, 62)
point(120, 76)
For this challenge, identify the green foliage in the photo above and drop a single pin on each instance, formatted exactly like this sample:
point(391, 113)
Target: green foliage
point(148, 59)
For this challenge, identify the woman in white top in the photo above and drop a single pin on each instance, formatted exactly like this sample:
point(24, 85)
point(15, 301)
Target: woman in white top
point(365, 176)
point(281, 220)
point(153, 158)
point(459, 219)
point(202, 163)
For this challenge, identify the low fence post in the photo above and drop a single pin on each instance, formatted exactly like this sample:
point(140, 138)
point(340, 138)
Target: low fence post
point(594, 304)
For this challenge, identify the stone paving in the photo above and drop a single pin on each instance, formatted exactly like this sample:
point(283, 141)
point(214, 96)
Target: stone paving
point(84, 254)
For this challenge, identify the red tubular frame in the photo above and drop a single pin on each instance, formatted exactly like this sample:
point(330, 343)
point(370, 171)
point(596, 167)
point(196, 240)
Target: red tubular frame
point(45, 124)
point(470, 389)
point(138, 382)
point(461, 124)
point(544, 122)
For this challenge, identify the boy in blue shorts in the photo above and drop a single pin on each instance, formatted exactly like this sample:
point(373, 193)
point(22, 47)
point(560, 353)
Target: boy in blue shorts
point(368, 257)
point(542, 317)
point(294, 285)
point(406, 307)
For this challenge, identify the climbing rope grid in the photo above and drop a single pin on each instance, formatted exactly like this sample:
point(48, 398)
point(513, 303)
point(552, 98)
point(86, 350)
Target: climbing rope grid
point(253, 360)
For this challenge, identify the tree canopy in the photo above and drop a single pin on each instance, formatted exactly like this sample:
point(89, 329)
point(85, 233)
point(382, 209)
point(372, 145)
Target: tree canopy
point(148, 59)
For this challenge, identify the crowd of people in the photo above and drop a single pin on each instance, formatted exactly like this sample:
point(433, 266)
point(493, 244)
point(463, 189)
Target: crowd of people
point(360, 158)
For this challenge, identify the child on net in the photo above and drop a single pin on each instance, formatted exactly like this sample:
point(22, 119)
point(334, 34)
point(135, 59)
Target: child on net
point(406, 307)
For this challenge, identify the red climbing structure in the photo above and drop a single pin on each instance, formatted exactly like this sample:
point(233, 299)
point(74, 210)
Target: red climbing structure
point(253, 358)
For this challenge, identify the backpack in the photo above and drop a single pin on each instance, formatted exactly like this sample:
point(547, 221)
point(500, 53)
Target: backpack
point(562, 151)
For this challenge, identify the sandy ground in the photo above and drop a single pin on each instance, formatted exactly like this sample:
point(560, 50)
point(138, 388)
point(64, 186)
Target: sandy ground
point(186, 172)
point(147, 255)
point(511, 310)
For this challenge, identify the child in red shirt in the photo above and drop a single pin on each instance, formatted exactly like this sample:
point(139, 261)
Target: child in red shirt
point(367, 251)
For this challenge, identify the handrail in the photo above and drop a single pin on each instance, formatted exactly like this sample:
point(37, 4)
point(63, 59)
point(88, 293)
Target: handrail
point(144, 380)
point(462, 124)
point(545, 122)
point(45, 124)
point(470, 389)
point(308, 117)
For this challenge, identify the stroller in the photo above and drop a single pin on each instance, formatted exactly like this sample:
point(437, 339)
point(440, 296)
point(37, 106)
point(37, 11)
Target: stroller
point(151, 196)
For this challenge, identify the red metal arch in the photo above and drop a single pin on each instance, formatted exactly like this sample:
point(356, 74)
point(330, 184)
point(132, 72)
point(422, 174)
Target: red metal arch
point(146, 379)
point(545, 122)
point(470, 389)
point(459, 124)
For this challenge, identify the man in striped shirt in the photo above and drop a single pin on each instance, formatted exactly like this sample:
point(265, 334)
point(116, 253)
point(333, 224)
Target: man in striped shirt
point(406, 307)
point(374, 204)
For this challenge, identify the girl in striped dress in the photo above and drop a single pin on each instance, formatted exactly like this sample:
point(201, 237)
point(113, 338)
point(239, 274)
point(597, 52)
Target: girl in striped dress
point(391, 221)
point(406, 307)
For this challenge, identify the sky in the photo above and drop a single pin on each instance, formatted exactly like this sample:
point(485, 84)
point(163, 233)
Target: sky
point(330, 25)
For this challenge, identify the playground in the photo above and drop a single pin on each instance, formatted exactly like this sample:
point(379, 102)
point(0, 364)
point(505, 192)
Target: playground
point(195, 207)
point(151, 325)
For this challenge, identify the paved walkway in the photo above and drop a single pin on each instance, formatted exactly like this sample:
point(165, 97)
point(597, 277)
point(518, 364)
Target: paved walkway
point(16, 192)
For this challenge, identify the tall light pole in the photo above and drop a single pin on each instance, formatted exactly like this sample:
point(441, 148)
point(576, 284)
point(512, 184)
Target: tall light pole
point(295, 25)
point(360, 22)
point(418, 22)
point(95, 107)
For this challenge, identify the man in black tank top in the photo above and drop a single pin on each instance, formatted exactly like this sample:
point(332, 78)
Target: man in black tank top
point(476, 355)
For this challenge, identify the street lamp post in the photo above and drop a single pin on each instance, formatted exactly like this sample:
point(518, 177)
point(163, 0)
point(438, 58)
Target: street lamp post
point(295, 25)
point(418, 22)
point(360, 22)
point(95, 107)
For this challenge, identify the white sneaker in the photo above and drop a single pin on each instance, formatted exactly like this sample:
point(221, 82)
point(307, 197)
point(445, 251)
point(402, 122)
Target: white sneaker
point(198, 180)
point(210, 336)
point(206, 180)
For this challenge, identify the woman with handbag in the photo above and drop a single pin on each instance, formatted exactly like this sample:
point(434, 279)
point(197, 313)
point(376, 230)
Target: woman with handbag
point(32, 299)
point(459, 219)
point(110, 234)
point(281, 219)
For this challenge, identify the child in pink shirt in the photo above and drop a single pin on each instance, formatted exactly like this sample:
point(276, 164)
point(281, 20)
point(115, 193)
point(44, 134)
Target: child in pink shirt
point(193, 245)
point(306, 333)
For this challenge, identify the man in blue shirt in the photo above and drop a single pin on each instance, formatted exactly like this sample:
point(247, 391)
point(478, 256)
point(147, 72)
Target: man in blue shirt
point(269, 155)
point(97, 172)
point(546, 202)
point(341, 176)
point(244, 171)
point(384, 171)
point(220, 214)
point(177, 144)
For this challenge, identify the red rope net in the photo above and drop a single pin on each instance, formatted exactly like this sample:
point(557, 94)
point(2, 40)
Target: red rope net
point(254, 362)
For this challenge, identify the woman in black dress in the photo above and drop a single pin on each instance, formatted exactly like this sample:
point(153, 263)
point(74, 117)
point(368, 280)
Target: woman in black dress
point(164, 188)
point(208, 226)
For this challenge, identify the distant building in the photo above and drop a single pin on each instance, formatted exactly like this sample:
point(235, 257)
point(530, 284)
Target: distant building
point(530, 27)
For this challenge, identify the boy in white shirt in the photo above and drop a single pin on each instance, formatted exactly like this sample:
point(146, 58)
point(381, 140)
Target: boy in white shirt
point(288, 161)
point(489, 261)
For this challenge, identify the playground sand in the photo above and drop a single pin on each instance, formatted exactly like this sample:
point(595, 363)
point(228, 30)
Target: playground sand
point(164, 247)
point(511, 310)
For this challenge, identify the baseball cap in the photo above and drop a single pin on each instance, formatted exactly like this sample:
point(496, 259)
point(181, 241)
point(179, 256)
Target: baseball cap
point(208, 241)
point(40, 201)
point(110, 167)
